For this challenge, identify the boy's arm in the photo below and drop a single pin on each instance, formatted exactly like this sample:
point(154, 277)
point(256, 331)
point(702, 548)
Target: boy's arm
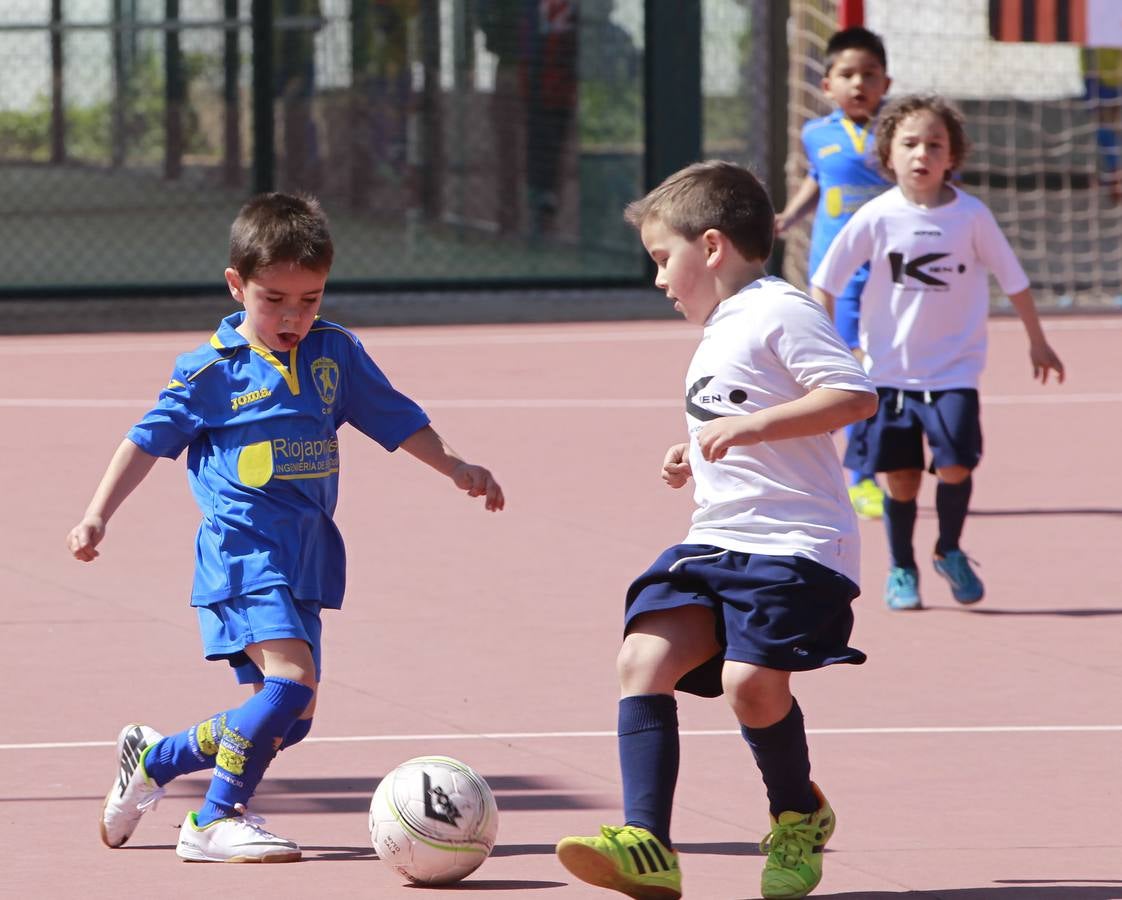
point(800, 203)
point(126, 470)
point(430, 448)
point(825, 298)
point(820, 411)
point(1044, 358)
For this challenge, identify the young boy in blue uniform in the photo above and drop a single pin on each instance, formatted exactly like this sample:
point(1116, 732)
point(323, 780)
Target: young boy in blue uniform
point(257, 409)
point(762, 585)
point(842, 175)
point(923, 333)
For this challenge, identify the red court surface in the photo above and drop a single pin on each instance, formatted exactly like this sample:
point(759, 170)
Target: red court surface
point(976, 756)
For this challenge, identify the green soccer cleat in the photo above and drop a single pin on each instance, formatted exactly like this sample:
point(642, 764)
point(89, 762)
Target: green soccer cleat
point(867, 499)
point(794, 851)
point(627, 859)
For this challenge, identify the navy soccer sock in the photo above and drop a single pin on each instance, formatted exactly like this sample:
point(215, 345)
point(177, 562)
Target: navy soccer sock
point(648, 761)
point(188, 751)
point(952, 501)
point(253, 732)
point(900, 522)
point(784, 761)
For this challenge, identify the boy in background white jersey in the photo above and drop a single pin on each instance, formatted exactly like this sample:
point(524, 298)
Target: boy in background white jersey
point(762, 585)
point(931, 248)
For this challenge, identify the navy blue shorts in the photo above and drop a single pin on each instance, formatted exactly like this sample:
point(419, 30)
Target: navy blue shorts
point(271, 613)
point(781, 612)
point(892, 439)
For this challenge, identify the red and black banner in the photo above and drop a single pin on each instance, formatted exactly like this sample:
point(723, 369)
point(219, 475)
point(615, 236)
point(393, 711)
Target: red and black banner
point(1041, 21)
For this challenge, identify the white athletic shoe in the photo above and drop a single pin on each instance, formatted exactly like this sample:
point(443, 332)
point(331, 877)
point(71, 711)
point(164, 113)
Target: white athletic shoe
point(133, 793)
point(238, 839)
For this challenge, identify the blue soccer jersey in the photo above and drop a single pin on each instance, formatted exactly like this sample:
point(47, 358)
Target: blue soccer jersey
point(260, 430)
point(841, 157)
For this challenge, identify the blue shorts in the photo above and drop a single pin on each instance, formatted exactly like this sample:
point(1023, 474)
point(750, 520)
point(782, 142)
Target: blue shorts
point(269, 614)
point(847, 314)
point(781, 612)
point(892, 439)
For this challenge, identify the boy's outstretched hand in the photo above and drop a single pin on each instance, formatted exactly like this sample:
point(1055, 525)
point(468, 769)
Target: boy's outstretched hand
point(1044, 360)
point(676, 469)
point(84, 537)
point(479, 482)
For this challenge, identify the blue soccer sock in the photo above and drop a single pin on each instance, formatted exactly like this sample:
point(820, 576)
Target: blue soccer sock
point(784, 761)
point(194, 750)
point(648, 761)
point(296, 733)
point(253, 732)
point(900, 523)
point(188, 751)
point(952, 502)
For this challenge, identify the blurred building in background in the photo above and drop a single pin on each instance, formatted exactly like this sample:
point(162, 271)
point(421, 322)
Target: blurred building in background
point(493, 143)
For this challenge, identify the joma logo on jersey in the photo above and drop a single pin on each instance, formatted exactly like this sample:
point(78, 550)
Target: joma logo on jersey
point(237, 403)
point(922, 268)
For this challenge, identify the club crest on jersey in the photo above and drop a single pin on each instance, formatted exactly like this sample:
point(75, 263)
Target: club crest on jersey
point(325, 373)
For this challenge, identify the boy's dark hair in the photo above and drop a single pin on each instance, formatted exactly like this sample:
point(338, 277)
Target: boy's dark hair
point(280, 228)
point(899, 109)
point(713, 194)
point(856, 38)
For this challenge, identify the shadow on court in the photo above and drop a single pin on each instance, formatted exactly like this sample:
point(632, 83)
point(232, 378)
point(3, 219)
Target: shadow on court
point(721, 848)
point(1070, 613)
point(493, 884)
point(1012, 890)
point(1059, 511)
point(352, 795)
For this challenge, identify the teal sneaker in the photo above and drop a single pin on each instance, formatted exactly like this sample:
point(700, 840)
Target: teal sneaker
point(966, 587)
point(902, 589)
point(627, 859)
point(794, 851)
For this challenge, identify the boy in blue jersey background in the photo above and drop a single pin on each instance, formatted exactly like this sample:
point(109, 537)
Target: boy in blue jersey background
point(257, 409)
point(842, 175)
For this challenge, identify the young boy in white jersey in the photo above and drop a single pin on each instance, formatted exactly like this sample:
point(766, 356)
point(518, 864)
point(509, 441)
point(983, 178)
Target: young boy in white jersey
point(258, 408)
point(763, 583)
point(923, 332)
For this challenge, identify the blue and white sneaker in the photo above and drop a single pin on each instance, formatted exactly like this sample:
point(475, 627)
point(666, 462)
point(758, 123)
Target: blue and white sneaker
point(966, 587)
point(902, 589)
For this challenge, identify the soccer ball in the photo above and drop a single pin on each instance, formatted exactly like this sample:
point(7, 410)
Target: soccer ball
point(433, 819)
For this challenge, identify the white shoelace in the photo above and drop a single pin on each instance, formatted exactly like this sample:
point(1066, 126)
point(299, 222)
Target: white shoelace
point(251, 821)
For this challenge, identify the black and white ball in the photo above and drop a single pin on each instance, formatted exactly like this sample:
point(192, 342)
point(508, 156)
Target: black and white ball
point(433, 819)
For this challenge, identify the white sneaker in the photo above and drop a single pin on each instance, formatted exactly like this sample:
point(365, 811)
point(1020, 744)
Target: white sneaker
point(133, 793)
point(238, 839)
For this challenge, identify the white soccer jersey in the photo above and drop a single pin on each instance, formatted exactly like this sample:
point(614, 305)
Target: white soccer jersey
point(924, 309)
point(767, 345)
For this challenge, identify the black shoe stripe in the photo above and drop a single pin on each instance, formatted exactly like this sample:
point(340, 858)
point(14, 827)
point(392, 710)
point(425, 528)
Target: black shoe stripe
point(645, 849)
point(639, 867)
point(661, 859)
point(134, 744)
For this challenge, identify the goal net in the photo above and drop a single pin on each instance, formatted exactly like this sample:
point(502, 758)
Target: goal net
point(1043, 120)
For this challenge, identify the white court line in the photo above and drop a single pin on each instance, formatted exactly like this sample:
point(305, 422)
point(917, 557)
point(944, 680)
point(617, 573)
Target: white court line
point(539, 402)
point(555, 735)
